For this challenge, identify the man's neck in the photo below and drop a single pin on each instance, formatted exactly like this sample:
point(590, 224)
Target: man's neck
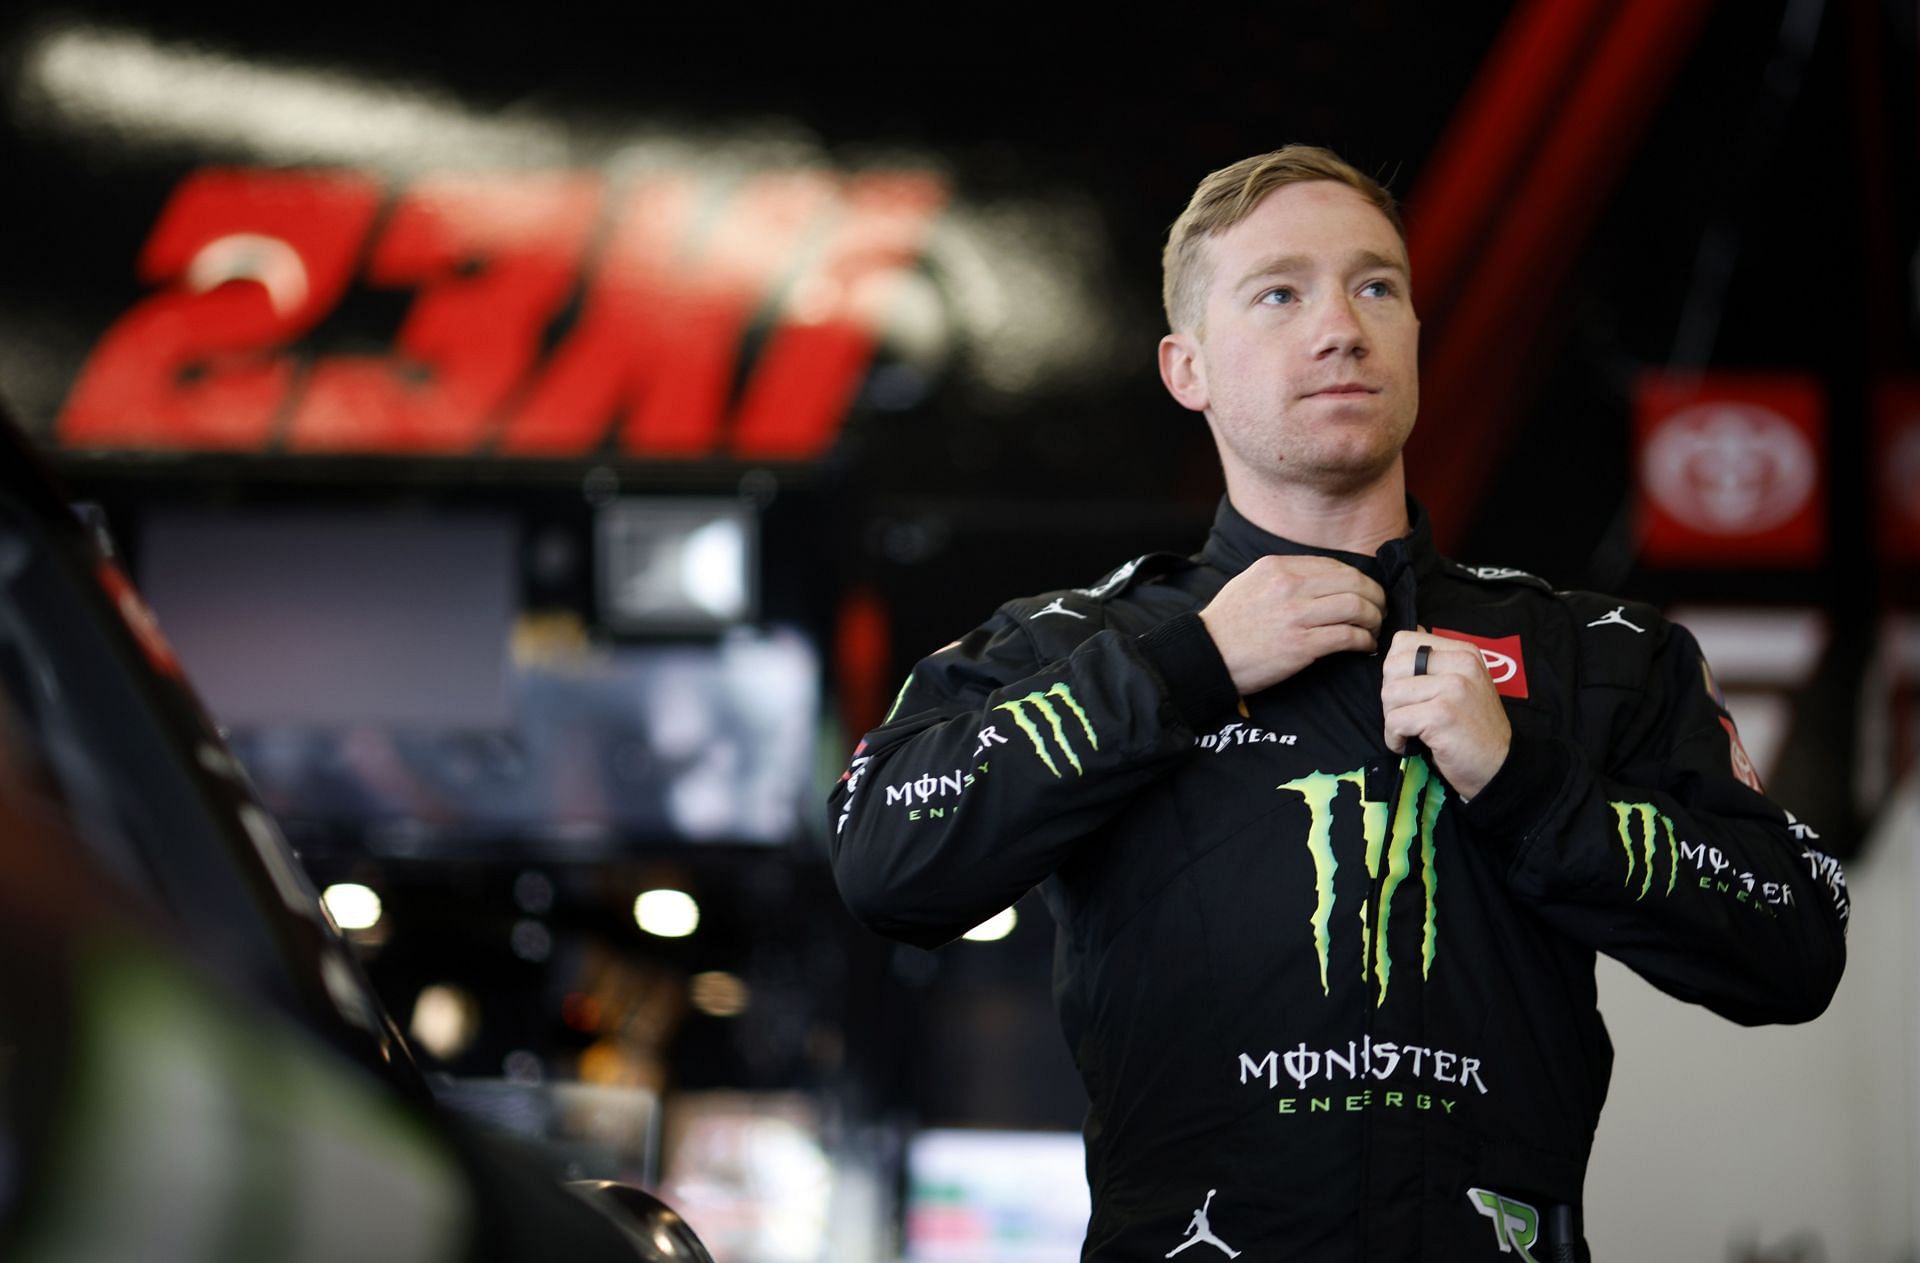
point(1354, 521)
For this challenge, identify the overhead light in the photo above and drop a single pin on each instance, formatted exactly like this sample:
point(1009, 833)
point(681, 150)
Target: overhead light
point(666, 913)
point(994, 928)
point(718, 994)
point(445, 1020)
point(352, 906)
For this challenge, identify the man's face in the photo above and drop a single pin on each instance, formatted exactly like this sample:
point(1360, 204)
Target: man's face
point(1308, 363)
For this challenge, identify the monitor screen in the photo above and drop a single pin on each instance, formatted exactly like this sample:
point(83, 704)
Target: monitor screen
point(313, 618)
point(707, 742)
point(375, 677)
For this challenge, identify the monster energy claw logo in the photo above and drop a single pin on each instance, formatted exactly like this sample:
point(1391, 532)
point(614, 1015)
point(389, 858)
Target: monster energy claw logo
point(1516, 1225)
point(1646, 816)
point(1416, 812)
point(899, 697)
point(1645, 832)
point(1040, 706)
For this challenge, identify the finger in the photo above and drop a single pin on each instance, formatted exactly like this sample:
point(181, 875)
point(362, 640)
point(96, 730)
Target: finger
point(1401, 727)
point(1370, 591)
point(1400, 691)
point(1321, 575)
point(1405, 641)
point(1444, 656)
point(1314, 644)
point(1401, 649)
point(1336, 580)
point(1343, 607)
point(1333, 638)
point(1412, 722)
point(1457, 657)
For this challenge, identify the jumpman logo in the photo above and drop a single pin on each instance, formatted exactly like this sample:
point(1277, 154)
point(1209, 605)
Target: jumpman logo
point(1619, 615)
point(1055, 607)
point(1200, 1230)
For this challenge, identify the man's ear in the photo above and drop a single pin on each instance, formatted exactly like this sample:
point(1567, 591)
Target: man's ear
point(1183, 371)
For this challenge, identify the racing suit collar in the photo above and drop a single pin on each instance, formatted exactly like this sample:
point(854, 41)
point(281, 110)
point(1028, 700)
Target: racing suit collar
point(1397, 566)
point(1237, 543)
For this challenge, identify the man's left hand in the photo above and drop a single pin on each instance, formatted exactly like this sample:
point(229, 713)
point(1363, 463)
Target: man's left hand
point(1452, 708)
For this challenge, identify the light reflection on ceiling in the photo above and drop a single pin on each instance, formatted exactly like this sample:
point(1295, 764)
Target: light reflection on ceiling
point(94, 82)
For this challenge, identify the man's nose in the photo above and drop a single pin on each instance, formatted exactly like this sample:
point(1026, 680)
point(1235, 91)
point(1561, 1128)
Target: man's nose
point(1339, 331)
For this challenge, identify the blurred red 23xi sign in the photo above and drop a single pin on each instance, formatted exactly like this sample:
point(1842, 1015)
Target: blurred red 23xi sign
point(1730, 469)
point(652, 287)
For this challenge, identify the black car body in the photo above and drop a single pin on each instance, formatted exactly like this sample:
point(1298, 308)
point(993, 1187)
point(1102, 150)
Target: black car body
point(192, 1063)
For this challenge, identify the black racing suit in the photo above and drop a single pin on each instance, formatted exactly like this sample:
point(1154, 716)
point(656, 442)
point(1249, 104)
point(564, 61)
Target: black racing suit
point(1324, 1008)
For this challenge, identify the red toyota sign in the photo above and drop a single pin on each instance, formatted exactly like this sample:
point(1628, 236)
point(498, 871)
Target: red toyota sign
point(1730, 469)
point(1896, 449)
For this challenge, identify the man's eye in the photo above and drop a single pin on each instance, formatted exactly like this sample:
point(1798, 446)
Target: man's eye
point(1378, 289)
point(1279, 296)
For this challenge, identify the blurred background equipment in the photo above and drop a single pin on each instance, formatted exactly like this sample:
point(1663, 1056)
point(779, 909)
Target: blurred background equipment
point(192, 1061)
point(975, 1196)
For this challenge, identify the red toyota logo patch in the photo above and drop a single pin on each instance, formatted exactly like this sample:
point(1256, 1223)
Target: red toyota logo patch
point(1743, 769)
point(1505, 666)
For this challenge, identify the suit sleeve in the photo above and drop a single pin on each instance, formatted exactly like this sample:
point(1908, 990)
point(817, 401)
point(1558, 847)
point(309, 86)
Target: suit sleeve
point(1669, 858)
point(1000, 757)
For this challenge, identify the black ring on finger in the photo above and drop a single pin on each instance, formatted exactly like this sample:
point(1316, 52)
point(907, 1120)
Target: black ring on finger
point(1420, 657)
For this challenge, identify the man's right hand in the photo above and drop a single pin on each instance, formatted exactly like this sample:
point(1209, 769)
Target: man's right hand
point(1284, 612)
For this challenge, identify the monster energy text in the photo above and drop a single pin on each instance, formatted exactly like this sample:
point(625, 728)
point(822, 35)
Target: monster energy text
point(1646, 834)
point(1827, 871)
point(1418, 808)
point(1363, 1058)
point(927, 789)
point(1364, 1099)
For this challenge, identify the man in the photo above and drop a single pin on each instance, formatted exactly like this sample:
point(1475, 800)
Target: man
point(1331, 826)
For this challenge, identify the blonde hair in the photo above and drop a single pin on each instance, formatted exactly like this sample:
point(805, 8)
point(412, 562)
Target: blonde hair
point(1228, 196)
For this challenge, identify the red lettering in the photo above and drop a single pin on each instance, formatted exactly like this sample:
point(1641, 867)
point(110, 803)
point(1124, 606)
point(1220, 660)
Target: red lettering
point(251, 261)
point(806, 378)
point(659, 339)
point(254, 260)
point(494, 257)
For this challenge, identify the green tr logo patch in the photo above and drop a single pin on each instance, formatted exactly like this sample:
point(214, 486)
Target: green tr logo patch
point(1516, 1225)
point(1040, 706)
point(1416, 812)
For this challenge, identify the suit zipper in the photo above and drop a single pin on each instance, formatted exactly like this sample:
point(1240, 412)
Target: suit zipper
point(1376, 881)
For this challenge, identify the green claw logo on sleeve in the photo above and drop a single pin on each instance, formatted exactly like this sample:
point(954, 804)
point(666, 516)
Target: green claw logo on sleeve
point(1650, 821)
point(1040, 707)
